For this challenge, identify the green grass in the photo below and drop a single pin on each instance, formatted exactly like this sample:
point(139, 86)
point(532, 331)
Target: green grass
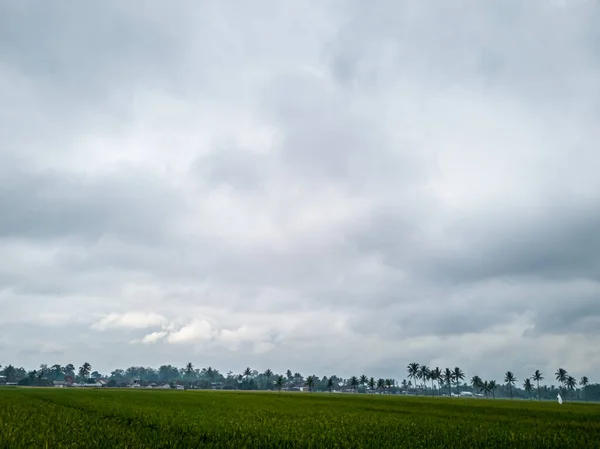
point(70, 418)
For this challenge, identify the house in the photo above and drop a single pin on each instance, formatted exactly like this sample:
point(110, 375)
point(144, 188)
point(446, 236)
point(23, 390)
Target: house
point(179, 387)
point(59, 383)
point(163, 387)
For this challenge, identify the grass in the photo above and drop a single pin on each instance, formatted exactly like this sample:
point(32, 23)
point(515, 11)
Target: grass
point(70, 418)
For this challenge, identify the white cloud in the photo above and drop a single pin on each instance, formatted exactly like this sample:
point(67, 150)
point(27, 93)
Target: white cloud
point(197, 331)
point(129, 320)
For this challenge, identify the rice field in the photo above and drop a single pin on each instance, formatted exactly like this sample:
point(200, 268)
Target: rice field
point(105, 418)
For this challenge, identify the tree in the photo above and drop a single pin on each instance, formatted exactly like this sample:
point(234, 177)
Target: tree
point(492, 385)
point(247, 373)
point(310, 381)
point(84, 370)
point(354, 383)
point(330, 384)
point(561, 376)
point(584, 382)
point(510, 379)
point(413, 370)
point(571, 383)
point(424, 374)
point(372, 383)
point(537, 376)
point(279, 382)
point(268, 375)
point(10, 373)
point(189, 372)
point(57, 371)
point(489, 386)
point(389, 383)
point(528, 386)
point(381, 384)
point(476, 383)
point(447, 379)
point(70, 370)
point(457, 376)
point(364, 380)
point(436, 374)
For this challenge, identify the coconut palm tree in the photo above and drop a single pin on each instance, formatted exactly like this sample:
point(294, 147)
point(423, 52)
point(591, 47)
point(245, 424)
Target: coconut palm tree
point(436, 374)
point(537, 376)
point(381, 384)
point(310, 381)
point(354, 383)
point(457, 376)
point(413, 370)
point(389, 383)
point(571, 384)
point(424, 373)
point(372, 383)
point(528, 386)
point(189, 372)
point(247, 373)
point(447, 378)
point(492, 385)
point(510, 379)
point(330, 384)
point(364, 380)
point(476, 383)
point(561, 375)
point(268, 375)
point(584, 382)
point(279, 382)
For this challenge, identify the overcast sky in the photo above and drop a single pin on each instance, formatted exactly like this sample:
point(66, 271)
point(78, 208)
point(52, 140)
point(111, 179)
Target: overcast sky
point(326, 186)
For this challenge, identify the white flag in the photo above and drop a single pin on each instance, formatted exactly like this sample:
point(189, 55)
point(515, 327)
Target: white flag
point(559, 398)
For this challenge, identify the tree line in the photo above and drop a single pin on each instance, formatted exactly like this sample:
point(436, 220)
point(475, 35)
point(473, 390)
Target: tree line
point(420, 380)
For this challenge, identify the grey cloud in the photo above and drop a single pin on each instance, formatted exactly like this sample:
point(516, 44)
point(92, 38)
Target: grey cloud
point(430, 194)
point(49, 204)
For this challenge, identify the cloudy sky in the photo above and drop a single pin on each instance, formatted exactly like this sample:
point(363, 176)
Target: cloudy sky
point(326, 186)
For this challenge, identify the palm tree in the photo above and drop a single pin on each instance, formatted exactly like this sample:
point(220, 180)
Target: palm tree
point(458, 375)
point(330, 384)
point(510, 380)
point(189, 370)
point(268, 375)
point(413, 370)
point(311, 383)
point(364, 380)
point(436, 374)
point(476, 383)
point(381, 384)
point(447, 378)
point(537, 376)
point(561, 376)
point(247, 373)
point(424, 373)
point(528, 386)
point(389, 383)
point(584, 382)
point(571, 383)
point(354, 383)
point(492, 385)
point(279, 382)
point(372, 383)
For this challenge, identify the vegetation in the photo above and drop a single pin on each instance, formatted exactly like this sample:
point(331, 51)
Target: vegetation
point(111, 418)
point(421, 380)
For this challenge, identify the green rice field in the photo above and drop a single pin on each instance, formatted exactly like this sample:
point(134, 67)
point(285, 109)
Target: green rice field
point(105, 418)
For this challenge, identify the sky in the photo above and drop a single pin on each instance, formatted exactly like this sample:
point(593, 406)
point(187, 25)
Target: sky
point(326, 186)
